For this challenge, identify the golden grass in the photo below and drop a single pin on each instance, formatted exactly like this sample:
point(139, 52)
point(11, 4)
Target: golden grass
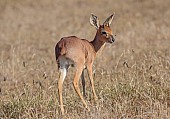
point(132, 76)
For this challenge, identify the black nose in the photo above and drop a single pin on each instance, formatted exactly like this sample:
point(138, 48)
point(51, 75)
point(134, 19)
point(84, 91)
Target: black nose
point(112, 39)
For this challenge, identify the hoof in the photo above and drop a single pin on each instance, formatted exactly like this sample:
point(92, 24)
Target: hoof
point(62, 111)
point(85, 96)
point(96, 99)
point(88, 109)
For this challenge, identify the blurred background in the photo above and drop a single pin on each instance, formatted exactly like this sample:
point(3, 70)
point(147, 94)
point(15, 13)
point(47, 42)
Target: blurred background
point(30, 29)
point(39, 24)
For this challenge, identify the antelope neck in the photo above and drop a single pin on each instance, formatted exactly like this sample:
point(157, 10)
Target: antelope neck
point(97, 43)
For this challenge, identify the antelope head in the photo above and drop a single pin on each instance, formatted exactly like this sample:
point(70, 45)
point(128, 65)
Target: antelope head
point(104, 32)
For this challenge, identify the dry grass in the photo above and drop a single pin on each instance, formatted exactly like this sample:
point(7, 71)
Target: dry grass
point(132, 77)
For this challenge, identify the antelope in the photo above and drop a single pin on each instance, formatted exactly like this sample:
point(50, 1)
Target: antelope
point(80, 53)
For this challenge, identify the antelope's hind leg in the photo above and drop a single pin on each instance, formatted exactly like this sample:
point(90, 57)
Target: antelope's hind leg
point(62, 75)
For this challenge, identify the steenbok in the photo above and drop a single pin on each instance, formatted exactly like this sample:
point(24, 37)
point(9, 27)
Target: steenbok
point(80, 53)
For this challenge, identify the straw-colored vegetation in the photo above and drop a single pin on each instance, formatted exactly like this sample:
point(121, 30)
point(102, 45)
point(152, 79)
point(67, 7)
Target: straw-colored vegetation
point(132, 76)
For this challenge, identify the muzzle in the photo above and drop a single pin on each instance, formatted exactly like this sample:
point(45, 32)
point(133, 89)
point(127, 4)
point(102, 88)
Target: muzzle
point(111, 39)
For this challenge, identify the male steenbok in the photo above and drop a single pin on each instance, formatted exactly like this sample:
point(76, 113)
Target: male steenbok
point(80, 53)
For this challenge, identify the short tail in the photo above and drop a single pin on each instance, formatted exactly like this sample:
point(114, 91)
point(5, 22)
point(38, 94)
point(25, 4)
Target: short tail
point(60, 50)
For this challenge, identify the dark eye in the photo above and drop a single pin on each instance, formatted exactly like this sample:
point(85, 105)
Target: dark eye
point(103, 32)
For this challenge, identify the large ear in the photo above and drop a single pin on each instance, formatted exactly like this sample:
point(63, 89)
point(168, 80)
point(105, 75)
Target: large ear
point(109, 20)
point(94, 21)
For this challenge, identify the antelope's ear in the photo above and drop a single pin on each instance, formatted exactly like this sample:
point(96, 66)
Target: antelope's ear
point(94, 21)
point(109, 20)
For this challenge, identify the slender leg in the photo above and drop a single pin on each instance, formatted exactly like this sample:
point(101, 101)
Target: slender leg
point(89, 68)
point(83, 83)
point(75, 83)
point(60, 83)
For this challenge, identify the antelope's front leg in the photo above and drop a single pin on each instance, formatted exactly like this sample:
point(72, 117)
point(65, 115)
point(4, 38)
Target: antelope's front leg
point(83, 83)
point(76, 87)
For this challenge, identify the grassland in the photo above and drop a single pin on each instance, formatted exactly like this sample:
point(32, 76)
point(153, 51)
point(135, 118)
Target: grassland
point(132, 76)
